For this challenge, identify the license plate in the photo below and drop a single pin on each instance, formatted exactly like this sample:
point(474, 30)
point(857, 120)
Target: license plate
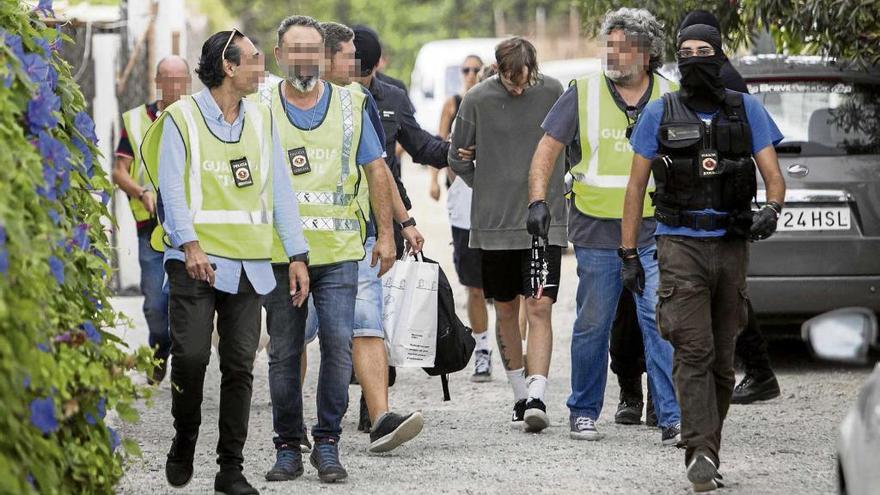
point(806, 219)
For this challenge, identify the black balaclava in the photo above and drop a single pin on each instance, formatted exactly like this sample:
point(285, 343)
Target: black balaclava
point(700, 17)
point(368, 49)
point(701, 86)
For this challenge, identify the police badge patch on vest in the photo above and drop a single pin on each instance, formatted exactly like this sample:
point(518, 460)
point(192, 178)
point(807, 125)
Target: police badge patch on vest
point(299, 161)
point(241, 172)
point(709, 165)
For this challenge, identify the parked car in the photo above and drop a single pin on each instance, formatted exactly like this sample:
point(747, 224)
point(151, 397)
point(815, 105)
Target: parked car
point(826, 252)
point(436, 74)
point(850, 335)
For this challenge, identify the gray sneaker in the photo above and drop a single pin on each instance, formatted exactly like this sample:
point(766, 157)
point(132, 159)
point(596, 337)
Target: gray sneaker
point(583, 428)
point(482, 367)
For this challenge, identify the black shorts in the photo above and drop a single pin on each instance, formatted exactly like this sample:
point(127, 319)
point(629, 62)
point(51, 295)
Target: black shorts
point(466, 259)
point(506, 273)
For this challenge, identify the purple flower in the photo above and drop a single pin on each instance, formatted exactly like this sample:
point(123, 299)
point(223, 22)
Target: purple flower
point(92, 333)
point(48, 191)
point(64, 177)
point(101, 409)
point(26, 382)
point(53, 214)
point(86, 126)
point(13, 41)
point(45, 7)
point(43, 347)
point(88, 158)
point(56, 266)
point(56, 164)
point(105, 198)
point(4, 258)
point(64, 337)
point(114, 439)
point(41, 109)
point(43, 45)
point(36, 67)
point(43, 415)
point(81, 236)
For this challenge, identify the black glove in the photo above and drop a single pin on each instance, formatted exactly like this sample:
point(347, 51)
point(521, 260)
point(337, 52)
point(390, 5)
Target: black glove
point(539, 219)
point(764, 221)
point(633, 274)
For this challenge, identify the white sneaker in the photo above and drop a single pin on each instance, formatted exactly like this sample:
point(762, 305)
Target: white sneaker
point(583, 428)
point(482, 367)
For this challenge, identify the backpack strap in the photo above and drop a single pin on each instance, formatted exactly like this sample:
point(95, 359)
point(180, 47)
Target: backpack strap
point(444, 379)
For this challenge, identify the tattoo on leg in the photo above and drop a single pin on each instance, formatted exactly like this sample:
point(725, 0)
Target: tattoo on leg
point(502, 349)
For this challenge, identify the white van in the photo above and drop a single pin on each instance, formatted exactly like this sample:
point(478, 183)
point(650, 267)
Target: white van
point(436, 74)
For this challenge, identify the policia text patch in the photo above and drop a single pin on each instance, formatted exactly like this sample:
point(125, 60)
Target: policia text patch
point(241, 172)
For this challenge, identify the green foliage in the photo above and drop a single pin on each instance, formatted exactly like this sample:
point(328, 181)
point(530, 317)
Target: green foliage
point(845, 29)
point(403, 26)
point(59, 371)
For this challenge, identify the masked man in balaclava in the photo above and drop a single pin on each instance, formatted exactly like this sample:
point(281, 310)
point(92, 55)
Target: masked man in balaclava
point(702, 144)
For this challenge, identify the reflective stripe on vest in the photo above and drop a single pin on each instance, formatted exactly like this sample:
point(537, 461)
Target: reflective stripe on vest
point(136, 122)
point(363, 196)
point(230, 221)
point(601, 177)
point(328, 194)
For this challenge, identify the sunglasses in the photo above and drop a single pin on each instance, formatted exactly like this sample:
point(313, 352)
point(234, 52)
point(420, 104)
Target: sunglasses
point(226, 46)
point(466, 70)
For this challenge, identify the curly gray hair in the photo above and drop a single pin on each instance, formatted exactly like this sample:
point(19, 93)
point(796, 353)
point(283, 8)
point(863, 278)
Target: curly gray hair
point(641, 24)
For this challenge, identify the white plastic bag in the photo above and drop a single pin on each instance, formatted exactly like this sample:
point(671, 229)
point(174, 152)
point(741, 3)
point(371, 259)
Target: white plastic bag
point(409, 313)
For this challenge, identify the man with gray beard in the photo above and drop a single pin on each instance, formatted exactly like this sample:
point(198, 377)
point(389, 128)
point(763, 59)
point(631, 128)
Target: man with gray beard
point(594, 118)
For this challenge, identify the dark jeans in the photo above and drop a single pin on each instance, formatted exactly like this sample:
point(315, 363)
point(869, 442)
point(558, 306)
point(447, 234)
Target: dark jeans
point(333, 290)
point(193, 304)
point(702, 306)
point(628, 351)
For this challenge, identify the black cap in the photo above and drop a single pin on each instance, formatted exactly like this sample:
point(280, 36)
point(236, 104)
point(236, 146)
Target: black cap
point(367, 48)
point(701, 32)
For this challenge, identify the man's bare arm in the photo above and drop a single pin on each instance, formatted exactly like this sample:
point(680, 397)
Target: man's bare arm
point(768, 165)
point(543, 161)
point(634, 201)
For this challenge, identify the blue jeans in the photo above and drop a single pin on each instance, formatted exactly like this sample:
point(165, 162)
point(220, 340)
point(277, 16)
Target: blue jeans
point(333, 289)
point(155, 299)
point(598, 291)
point(367, 309)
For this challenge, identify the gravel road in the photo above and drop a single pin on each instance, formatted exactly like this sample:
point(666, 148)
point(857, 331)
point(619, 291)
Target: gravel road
point(783, 446)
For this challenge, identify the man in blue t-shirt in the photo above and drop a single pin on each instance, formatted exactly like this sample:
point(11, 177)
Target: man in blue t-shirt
point(701, 144)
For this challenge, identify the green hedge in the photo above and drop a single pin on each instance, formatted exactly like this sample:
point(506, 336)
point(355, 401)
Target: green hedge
point(60, 373)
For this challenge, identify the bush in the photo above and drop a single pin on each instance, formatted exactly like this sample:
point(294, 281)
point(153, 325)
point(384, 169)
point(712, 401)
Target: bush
point(59, 371)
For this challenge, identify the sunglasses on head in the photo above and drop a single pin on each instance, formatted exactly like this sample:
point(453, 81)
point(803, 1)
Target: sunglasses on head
point(466, 70)
point(226, 46)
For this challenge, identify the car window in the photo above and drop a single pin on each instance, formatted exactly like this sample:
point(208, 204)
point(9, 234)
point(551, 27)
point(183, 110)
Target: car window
point(826, 117)
point(453, 80)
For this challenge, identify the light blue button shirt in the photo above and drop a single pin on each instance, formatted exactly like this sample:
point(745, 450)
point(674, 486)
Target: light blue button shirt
point(178, 218)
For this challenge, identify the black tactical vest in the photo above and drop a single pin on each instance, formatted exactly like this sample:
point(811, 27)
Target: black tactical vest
point(700, 166)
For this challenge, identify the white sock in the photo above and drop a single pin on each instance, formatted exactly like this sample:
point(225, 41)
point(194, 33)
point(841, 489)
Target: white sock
point(537, 384)
point(517, 379)
point(482, 341)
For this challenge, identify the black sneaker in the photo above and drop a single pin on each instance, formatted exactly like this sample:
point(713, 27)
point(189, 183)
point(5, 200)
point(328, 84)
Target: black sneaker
point(364, 424)
point(650, 413)
point(754, 388)
point(519, 412)
point(393, 430)
point(288, 464)
point(671, 435)
point(629, 413)
point(703, 474)
point(305, 446)
point(179, 465)
point(535, 416)
point(159, 371)
point(325, 458)
point(231, 481)
point(482, 367)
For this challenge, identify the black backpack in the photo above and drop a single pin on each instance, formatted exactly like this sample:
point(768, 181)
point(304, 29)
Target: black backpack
point(454, 341)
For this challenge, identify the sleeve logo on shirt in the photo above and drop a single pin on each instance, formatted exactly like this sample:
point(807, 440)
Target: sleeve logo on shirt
point(241, 172)
point(386, 114)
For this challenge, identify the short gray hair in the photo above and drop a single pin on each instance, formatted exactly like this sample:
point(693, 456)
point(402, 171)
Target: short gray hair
point(640, 24)
point(334, 35)
point(299, 20)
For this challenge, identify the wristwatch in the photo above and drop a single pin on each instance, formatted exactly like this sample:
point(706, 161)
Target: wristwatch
point(409, 222)
point(303, 258)
point(625, 253)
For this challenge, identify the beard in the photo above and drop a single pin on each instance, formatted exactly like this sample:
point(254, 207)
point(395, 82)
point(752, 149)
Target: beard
point(622, 75)
point(303, 78)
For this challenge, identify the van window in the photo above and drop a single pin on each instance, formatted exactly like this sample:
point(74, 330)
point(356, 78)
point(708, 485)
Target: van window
point(453, 80)
point(830, 117)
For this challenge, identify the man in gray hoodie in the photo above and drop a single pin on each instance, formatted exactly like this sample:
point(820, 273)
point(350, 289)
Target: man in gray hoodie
point(502, 118)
